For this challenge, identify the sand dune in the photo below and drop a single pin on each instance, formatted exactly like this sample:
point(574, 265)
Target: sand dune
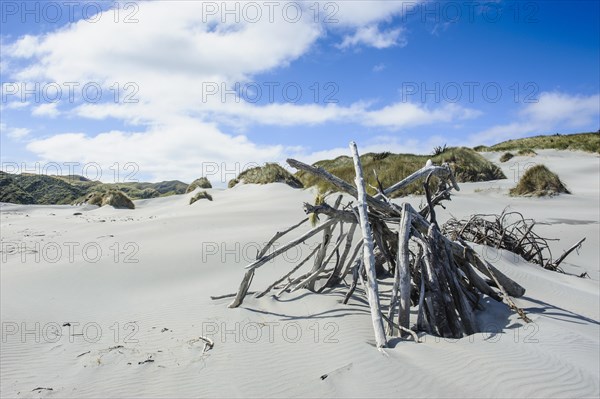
point(138, 287)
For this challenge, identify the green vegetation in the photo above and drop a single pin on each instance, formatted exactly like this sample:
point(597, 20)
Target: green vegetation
point(312, 218)
point(437, 150)
point(589, 142)
point(539, 181)
point(61, 190)
point(201, 182)
point(10, 191)
point(117, 199)
point(526, 152)
point(507, 156)
point(94, 198)
point(199, 196)
point(112, 197)
point(270, 173)
point(468, 166)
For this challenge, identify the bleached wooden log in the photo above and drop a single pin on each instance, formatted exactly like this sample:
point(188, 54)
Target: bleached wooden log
point(403, 266)
point(323, 248)
point(340, 184)
point(443, 171)
point(243, 290)
point(505, 295)
point(369, 257)
point(463, 251)
point(357, 249)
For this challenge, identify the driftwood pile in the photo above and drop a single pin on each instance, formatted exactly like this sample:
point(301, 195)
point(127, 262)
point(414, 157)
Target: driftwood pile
point(443, 279)
point(510, 231)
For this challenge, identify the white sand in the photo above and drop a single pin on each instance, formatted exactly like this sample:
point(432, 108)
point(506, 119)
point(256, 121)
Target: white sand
point(558, 355)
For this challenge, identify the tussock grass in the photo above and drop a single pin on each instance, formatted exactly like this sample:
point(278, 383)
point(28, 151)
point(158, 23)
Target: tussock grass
point(468, 166)
point(112, 197)
point(526, 152)
point(94, 198)
point(507, 156)
point(202, 182)
point(589, 142)
point(117, 199)
point(270, 173)
point(199, 196)
point(539, 181)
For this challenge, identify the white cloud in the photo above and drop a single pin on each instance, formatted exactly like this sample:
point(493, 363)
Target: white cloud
point(16, 133)
point(48, 109)
point(553, 112)
point(374, 37)
point(182, 150)
point(401, 115)
point(176, 130)
point(379, 67)
point(555, 108)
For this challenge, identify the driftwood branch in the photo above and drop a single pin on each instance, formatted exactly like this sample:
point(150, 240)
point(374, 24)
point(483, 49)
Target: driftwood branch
point(369, 258)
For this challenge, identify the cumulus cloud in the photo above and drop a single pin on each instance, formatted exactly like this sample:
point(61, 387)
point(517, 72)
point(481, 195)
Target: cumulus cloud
point(49, 109)
point(553, 111)
point(401, 115)
point(374, 37)
point(16, 133)
point(183, 150)
point(174, 129)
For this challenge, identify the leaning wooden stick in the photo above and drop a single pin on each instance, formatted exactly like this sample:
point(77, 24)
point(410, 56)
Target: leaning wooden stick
point(369, 258)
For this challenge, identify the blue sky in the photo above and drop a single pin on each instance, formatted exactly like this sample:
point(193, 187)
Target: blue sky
point(392, 75)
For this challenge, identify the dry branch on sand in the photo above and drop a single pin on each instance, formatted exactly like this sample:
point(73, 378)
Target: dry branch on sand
point(510, 231)
point(443, 278)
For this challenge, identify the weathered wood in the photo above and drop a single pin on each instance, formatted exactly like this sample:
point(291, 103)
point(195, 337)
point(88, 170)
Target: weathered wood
point(340, 184)
point(247, 280)
point(357, 249)
point(259, 262)
point(369, 258)
point(309, 281)
point(279, 281)
point(442, 275)
point(317, 265)
point(355, 273)
point(243, 290)
point(442, 171)
point(336, 274)
point(464, 251)
point(404, 266)
point(567, 252)
point(277, 236)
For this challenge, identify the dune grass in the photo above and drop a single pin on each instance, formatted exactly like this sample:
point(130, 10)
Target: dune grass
point(468, 166)
point(201, 195)
point(117, 199)
point(589, 142)
point(507, 156)
point(526, 152)
point(539, 181)
point(269, 173)
point(202, 182)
